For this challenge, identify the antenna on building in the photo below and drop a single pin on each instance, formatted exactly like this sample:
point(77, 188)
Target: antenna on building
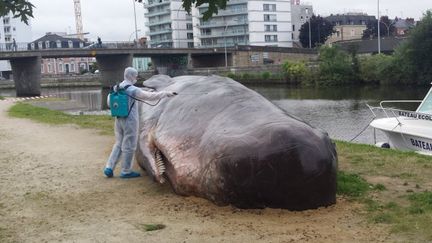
point(78, 20)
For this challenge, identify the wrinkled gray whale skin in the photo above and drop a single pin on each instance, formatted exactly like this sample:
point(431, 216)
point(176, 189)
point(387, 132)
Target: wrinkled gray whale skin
point(219, 140)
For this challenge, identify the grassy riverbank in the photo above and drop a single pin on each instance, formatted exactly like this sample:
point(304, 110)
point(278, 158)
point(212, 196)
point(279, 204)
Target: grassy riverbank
point(393, 187)
point(25, 110)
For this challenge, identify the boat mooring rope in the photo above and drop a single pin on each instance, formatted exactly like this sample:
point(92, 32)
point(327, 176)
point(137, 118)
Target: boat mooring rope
point(364, 129)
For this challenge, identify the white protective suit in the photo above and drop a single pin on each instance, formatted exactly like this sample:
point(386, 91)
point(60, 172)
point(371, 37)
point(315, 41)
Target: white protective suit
point(126, 129)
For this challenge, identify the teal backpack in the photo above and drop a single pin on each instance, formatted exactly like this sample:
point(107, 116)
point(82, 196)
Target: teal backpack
point(119, 102)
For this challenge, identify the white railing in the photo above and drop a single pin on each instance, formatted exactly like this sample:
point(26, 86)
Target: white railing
point(396, 113)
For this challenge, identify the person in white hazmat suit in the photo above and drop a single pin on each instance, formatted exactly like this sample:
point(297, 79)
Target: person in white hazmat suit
point(126, 129)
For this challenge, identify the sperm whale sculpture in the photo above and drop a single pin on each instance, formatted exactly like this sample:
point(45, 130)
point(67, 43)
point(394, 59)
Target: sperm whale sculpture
point(221, 141)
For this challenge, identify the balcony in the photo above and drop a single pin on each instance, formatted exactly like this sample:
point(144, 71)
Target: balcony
point(221, 45)
point(155, 23)
point(231, 12)
point(222, 24)
point(222, 34)
point(155, 4)
point(231, 2)
point(156, 13)
point(149, 33)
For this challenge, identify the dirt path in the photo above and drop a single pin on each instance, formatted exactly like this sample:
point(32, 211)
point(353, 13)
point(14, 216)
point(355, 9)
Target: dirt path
point(52, 189)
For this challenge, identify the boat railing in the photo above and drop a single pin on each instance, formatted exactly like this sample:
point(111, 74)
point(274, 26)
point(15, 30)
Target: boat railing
point(395, 113)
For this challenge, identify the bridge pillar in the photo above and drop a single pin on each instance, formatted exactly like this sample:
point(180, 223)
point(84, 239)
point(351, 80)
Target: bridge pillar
point(26, 73)
point(112, 67)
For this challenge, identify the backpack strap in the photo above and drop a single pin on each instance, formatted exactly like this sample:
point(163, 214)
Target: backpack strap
point(133, 103)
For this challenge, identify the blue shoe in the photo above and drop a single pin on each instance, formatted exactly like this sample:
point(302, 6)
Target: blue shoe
point(108, 172)
point(133, 174)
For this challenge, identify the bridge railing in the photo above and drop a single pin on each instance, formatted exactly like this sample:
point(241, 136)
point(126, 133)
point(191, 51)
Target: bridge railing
point(24, 46)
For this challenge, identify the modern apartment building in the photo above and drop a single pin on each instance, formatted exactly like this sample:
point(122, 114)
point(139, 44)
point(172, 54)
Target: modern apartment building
point(12, 30)
point(349, 26)
point(245, 22)
point(169, 25)
point(300, 14)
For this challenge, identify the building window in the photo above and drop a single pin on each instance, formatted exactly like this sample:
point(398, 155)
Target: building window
point(32, 46)
point(352, 33)
point(269, 7)
point(58, 43)
point(189, 36)
point(70, 44)
point(293, 29)
point(269, 17)
point(61, 67)
point(190, 45)
point(271, 38)
point(189, 26)
point(40, 44)
point(81, 44)
point(49, 68)
point(42, 68)
point(270, 27)
point(47, 44)
point(72, 67)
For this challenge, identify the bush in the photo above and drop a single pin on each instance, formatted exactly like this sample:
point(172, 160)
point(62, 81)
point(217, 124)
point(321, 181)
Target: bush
point(376, 68)
point(295, 72)
point(232, 76)
point(335, 67)
point(265, 75)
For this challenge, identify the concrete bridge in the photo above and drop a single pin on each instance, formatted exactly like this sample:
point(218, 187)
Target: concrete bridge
point(26, 64)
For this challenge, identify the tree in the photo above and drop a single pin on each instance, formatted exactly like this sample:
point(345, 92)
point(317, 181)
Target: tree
point(386, 28)
point(20, 9)
point(414, 56)
point(321, 29)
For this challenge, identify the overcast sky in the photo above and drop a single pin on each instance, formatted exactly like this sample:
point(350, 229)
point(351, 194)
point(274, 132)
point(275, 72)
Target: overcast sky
point(113, 20)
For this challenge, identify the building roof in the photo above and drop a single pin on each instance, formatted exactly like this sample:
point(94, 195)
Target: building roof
point(55, 37)
point(388, 45)
point(348, 19)
point(403, 24)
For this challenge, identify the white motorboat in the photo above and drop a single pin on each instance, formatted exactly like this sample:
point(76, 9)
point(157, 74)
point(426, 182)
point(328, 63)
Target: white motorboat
point(406, 130)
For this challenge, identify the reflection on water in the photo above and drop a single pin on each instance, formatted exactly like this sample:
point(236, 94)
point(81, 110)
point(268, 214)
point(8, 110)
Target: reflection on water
point(341, 111)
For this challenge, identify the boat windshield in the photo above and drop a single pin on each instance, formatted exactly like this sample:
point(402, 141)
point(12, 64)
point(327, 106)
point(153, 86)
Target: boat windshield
point(426, 105)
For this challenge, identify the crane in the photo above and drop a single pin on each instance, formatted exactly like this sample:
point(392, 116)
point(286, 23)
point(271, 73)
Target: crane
point(78, 19)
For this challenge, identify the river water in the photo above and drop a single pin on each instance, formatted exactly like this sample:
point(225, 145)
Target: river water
point(341, 111)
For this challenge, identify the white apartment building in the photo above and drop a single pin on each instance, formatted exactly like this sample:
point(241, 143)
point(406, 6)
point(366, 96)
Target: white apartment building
point(169, 25)
point(12, 29)
point(300, 13)
point(245, 22)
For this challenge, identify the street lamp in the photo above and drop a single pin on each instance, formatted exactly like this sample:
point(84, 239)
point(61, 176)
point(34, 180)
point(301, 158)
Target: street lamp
point(136, 29)
point(388, 27)
point(225, 29)
point(310, 38)
point(379, 32)
point(226, 56)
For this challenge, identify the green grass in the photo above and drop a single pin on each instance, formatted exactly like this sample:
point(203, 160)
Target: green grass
point(351, 185)
point(408, 212)
point(152, 227)
point(1, 97)
point(102, 123)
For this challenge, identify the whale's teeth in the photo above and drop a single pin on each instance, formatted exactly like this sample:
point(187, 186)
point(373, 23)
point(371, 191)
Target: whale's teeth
point(162, 180)
point(159, 163)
